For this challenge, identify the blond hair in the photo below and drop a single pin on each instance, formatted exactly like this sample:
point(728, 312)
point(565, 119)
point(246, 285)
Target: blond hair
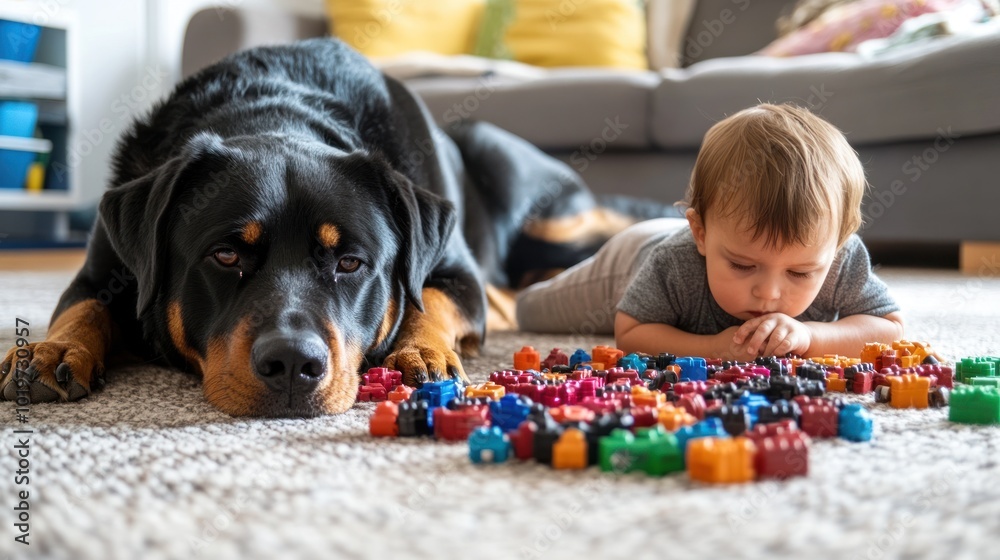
point(783, 172)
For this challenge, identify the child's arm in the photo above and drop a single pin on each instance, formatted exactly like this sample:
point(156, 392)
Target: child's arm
point(779, 334)
point(654, 338)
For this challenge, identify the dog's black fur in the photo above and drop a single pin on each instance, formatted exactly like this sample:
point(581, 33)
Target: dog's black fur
point(290, 215)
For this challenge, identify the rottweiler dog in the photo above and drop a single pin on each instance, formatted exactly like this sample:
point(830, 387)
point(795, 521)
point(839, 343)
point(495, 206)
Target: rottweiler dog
point(289, 217)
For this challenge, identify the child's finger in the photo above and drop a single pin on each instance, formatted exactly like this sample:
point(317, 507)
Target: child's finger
point(778, 339)
point(763, 331)
point(746, 329)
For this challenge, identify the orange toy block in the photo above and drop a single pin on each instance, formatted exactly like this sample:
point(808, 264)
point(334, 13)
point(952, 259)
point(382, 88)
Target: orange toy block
point(571, 413)
point(674, 418)
point(605, 356)
point(714, 459)
point(835, 360)
point(835, 383)
point(557, 377)
point(527, 358)
point(909, 391)
point(644, 397)
point(570, 451)
point(918, 350)
point(873, 351)
point(400, 394)
point(383, 422)
point(488, 390)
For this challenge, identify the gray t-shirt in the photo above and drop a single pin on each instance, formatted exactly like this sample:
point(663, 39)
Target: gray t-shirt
point(671, 287)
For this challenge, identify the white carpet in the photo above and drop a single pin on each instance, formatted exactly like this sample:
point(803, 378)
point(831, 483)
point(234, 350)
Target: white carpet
point(146, 469)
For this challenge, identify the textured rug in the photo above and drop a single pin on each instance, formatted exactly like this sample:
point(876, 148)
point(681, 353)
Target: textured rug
point(147, 469)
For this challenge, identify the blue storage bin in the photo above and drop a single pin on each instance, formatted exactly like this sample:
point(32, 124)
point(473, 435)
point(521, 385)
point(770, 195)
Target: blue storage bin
point(17, 118)
point(18, 41)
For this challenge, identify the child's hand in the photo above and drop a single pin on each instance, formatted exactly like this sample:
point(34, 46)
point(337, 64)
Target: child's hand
point(774, 334)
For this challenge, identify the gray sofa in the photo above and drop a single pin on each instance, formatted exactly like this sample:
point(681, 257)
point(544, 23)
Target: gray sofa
point(925, 120)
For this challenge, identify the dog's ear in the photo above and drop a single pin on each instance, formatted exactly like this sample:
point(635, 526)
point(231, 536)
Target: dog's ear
point(426, 222)
point(135, 214)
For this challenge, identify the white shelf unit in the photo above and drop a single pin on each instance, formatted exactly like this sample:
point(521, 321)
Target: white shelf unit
point(51, 82)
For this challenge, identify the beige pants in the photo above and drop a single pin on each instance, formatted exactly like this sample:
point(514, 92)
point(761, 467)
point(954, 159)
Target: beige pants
point(583, 299)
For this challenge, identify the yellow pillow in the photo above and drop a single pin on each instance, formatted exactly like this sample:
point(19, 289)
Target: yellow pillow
point(565, 32)
point(378, 28)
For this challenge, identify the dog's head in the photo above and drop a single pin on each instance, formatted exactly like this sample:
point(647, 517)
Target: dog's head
point(274, 266)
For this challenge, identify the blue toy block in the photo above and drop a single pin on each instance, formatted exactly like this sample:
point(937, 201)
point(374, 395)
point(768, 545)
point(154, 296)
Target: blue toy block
point(709, 427)
point(693, 369)
point(438, 393)
point(632, 361)
point(753, 402)
point(855, 424)
point(490, 439)
point(508, 412)
point(578, 357)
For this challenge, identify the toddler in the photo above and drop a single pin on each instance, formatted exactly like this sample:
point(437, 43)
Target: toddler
point(766, 262)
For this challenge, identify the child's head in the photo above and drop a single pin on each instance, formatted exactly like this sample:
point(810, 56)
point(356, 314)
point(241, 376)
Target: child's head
point(775, 192)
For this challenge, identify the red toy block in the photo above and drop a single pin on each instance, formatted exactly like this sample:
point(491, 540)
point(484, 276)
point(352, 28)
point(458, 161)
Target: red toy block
point(555, 358)
point(456, 425)
point(400, 393)
point(388, 378)
point(527, 358)
point(761, 431)
point(945, 375)
point(688, 387)
point(569, 392)
point(550, 396)
point(588, 387)
point(782, 456)
point(580, 374)
point(372, 393)
point(384, 421)
point(820, 420)
point(507, 378)
point(629, 376)
point(862, 384)
point(693, 403)
point(600, 405)
point(531, 390)
point(645, 416)
point(523, 440)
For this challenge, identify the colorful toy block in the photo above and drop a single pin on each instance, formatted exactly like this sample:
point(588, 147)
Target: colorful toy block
point(975, 405)
point(400, 393)
point(522, 440)
point(779, 410)
point(762, 431)
point(909, 391)
point(977, 366)
point(385, 421)
point(545, 439)
point(572, 413)
point(372, 393)
point(673, 418)
point(438, 393)
point(388, 378)
point(604, 355)
point(710, 427)
point(782, 455)
point(508, 412)
point(488, 390)
point(835, 383)
point(578, 358)
point(820, 420)
point(939, 397)
point(854, 423)
point(555, 358)
point(415, 419)
point(872, 353)
point(721, 460)
point(570, 450)
point(692, 368)
point(527, 358)
point(735, 418)
point(456, 425)
point(651, 450)
point(488, 444)
point(944, 375)
point(693, 403)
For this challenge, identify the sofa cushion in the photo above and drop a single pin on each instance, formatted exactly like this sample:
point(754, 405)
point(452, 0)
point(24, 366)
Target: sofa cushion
point(566, 109)
point(950, 84)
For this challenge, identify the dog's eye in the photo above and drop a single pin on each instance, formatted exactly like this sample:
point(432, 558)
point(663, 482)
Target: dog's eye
point(227, 257)
point(348, 264)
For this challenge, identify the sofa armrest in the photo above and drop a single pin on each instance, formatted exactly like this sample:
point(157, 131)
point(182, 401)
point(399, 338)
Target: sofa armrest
point(731, 28)
point(214, 33)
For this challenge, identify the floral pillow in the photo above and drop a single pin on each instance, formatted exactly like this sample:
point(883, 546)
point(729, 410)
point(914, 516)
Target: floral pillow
point(845, 26)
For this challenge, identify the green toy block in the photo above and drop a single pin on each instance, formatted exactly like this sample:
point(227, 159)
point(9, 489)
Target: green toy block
point(975, 405)
point(653, 451)
point(977, 366)
point(985, 382)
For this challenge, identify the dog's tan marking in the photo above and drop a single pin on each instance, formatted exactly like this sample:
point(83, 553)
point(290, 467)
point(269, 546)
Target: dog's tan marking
point(329, 235)
point(175, 325)
point(593, 225)
point(388, 321)
point(432, 341)
point(229, 382)
point(501, 313)
point(251, 232)
point(340, 385)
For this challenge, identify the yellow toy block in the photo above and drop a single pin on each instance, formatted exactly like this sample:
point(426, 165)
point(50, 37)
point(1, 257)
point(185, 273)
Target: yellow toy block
point(570, 450)
point(872, 351)
point(674, 418)
point(835, 383)
point(717, 460)
point(488, 390)
point(909, 391)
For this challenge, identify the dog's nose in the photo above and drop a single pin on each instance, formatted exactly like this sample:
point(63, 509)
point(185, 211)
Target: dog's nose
point(290, 362)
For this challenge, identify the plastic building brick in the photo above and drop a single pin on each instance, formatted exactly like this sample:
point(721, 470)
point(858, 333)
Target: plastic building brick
point(632, 361)
point(388, 378)
point(438, 393)
point(854, 423)
point(710, 427)
point(782, 456)
point(664, 360)
point(385, 420)
point(572, 413)
point(753, 404)
point(555, 358)
point(820, 420)
point(911, 353)
point(945, 375)
point(545, 439)
point(579, 357)
point(606, 356)
point(985, 381)
point(488, 390)
point(651, 450)
point(692, 369)
point(694, 404)
point(456, 425)
point(779, 410)
point(882, 394)
point(762, 431)
point(722, 460)
point(811, 370)
point(522, 440)
point(630, 375)
point(644, 397)
point(978, 366)
point(508, 412)
point(644, 416)
point(415, 419)
point(859, 379)
point(673, 418)
point(488, 444)
point(872, 353)
point(975, 405)
point(685, 387)
point(400, 393)
point(372, 393)
point(570, 450)
point(735, 418)
point(939, 397)
point(835, 383)
point(909, 391)
point(527, 358)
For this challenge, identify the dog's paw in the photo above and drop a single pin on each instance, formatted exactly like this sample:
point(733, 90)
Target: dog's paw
point(52, 371)
point(420, 362)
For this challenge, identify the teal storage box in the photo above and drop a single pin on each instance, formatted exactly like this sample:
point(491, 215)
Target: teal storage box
point(18, 41)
